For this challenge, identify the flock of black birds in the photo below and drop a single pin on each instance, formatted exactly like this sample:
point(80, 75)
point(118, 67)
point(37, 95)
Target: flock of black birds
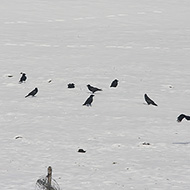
point(23, 79)
point(89, 100)
point(93, 89)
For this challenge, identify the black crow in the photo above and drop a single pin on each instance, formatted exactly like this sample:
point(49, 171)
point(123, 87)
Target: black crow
point(32, 93)
point(88, 101)
point(81, 150)
point(93, 89)
point(71, 85)
point(149, 101)
point(22, 78)
point(114, 83)
point(182, 116)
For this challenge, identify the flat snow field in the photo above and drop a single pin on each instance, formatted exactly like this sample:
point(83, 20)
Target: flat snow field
point(129, 145)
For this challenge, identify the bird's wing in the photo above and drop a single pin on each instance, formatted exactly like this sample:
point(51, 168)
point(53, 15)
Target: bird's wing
point(180, 117)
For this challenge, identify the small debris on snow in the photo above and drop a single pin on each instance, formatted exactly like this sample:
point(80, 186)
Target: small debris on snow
point(18, 137)
point(145, 143)
point(8, 75)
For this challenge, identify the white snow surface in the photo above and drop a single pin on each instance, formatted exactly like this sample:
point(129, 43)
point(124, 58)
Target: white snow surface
point(145, 44)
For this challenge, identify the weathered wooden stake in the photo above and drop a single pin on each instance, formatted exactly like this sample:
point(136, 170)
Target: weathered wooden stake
point(49, 176)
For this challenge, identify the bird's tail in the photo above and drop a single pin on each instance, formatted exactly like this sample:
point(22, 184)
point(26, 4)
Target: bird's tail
point(87, 105)
point(187, 117)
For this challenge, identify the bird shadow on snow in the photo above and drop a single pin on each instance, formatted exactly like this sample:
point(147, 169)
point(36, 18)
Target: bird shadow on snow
point(184, 143)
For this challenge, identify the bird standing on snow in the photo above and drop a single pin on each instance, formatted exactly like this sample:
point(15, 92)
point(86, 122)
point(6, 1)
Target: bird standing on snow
point(88, 101)
point(149, 101)
point(32, 93)
point(182, 116)
point(114, 83)
point(71, 85)
point(93, 89)
point(22, 78)
point(81, 150)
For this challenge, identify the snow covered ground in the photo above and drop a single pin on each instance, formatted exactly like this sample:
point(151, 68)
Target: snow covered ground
point(145, 44)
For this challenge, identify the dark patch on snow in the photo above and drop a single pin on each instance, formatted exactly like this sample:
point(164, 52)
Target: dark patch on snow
point(71, 85)
point(81, 150)
point(145, 143)
point(181, 143)
point(18, 137)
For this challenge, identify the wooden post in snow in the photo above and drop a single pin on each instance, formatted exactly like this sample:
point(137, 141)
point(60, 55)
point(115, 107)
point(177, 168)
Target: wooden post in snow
point(49, 176)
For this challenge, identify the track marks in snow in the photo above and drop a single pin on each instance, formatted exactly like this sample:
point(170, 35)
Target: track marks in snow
point(31, 44)
point(16, 22)
point(117, 15)
point(84, 19)
point(80, 46)
point(119, 47)
point(87, 46)
point(57, 20)
point(110, 16)
point(50, 45)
